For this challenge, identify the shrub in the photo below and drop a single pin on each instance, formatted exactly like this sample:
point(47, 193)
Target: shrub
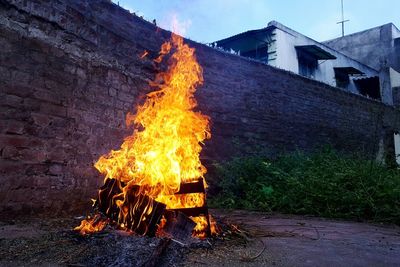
point(324, 183)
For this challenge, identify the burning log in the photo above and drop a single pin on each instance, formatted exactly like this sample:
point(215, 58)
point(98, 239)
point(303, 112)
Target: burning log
point(178, 225)
point(197, 212)
point(107, 196)
point(127, 206)
point(193, 187)
point(141, 214)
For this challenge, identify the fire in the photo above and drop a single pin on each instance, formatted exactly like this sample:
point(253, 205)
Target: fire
point(91, 225)
point(163, 150)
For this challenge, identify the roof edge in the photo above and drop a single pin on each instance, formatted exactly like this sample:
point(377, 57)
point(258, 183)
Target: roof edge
point(363, 31)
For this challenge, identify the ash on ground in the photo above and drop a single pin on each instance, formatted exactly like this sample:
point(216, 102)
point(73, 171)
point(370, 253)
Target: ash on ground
point(32, 242)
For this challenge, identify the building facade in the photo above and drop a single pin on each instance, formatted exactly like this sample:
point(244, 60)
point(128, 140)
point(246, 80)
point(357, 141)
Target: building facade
point(378, 48)
point(282, 47)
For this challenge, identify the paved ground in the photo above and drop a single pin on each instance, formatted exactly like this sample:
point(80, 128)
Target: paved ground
point(263, 240)
point(301, 241)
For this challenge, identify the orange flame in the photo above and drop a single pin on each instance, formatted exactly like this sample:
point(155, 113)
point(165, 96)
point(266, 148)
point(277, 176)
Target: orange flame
point(91, 225)
point(163, 150)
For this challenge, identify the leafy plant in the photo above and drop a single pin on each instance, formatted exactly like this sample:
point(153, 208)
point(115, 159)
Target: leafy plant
point(325, 183)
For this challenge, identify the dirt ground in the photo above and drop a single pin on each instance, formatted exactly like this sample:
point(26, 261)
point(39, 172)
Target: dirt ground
point(283, 240)
point(262, 240)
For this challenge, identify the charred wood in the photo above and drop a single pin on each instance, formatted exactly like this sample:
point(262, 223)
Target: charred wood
point(135, 211)
point(178, 225)
point(194, 187)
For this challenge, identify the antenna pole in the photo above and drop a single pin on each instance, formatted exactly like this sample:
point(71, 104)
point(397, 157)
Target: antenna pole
point(343, 20)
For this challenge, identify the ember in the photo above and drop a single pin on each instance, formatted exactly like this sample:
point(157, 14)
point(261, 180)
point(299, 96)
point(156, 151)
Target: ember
point(157, 171)
point(144, 54)
point(92, 225)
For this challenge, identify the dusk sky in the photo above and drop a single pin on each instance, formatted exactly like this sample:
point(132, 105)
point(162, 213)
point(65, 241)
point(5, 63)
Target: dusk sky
point(211, 20)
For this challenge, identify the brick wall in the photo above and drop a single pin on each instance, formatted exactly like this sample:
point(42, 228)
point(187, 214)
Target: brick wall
point(70, 71)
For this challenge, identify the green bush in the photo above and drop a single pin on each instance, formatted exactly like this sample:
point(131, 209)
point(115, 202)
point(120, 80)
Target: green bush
point(324, 184)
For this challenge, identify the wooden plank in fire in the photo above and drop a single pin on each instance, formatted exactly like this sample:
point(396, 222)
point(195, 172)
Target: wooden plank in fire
point(140, 213)
point(197, 211)
point(137, 215)
point(137, 212)
point(107, 196)
point(195, 187)
point(178, 225)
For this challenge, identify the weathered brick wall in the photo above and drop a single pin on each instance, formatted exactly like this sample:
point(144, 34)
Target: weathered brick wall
point(70, 71)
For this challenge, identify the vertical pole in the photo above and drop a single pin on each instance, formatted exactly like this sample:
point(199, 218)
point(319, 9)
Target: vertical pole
point(342, 19)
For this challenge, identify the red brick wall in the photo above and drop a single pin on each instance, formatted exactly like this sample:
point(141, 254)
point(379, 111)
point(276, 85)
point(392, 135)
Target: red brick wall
point(70, 71)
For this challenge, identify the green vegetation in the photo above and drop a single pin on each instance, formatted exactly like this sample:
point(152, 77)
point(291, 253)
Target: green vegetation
point(325, 184)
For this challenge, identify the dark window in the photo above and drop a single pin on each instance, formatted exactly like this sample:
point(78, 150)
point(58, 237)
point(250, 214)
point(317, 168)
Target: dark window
point(307, 64)
point(342, 78)
point(369, 87)
point(260, 53)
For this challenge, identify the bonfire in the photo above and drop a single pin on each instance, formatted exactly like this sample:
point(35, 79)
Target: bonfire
point(155, 181)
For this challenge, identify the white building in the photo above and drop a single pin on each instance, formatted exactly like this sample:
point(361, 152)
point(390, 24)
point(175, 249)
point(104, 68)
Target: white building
point(378, 48)
point(282, 47)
